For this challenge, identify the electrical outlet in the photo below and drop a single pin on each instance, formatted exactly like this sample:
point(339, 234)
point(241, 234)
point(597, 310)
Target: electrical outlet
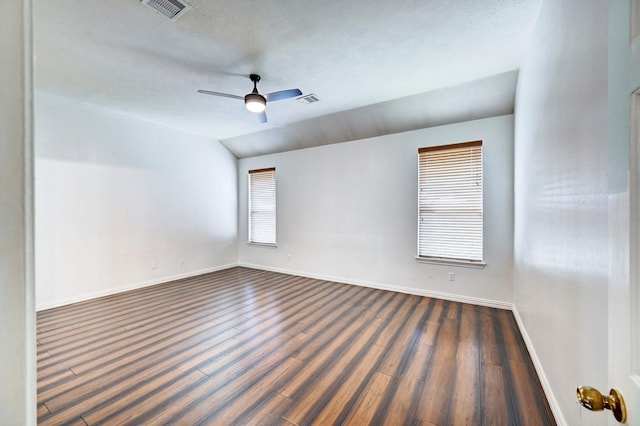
point(452, 276)
point(181, 261)
point(154, 264)
point(289, 257)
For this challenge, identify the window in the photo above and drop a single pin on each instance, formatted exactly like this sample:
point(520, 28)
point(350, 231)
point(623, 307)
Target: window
point(262, 206)
point(450, 202)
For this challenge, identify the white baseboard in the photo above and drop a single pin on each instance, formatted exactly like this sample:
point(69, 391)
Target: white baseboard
point(546, 386)
point(380, 286)
point(121, 289)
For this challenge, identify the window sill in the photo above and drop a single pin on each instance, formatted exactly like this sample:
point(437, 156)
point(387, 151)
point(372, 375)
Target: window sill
point(451, 262)
point(262, 244)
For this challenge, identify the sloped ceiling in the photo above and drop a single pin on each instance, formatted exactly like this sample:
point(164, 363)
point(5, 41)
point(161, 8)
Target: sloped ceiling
point(378, 67)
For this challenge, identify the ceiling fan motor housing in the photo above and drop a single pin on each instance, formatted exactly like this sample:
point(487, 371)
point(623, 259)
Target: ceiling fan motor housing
point(255, 102)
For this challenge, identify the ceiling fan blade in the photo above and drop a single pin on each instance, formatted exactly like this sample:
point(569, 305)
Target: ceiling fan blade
point(226, 95)
point(282, 94)
point(262, 117)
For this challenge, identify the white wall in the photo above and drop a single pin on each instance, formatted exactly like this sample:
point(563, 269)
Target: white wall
point(116, 194)
point(349, 212)
point(561, 241)
point(17, 318)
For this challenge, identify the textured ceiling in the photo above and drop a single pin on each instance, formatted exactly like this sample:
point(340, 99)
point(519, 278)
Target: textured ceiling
point(365, 59)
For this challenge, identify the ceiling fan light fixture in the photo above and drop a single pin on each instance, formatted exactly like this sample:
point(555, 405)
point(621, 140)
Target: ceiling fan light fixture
point(255, 102)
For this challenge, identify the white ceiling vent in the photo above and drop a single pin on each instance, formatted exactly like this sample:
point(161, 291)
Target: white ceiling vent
point(172, 9)
point(308, 99)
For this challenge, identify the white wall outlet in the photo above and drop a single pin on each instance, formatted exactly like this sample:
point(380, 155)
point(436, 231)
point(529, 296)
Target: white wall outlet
point(154, 264)
point(289, 257)
point(452, 276)
point(181, 260)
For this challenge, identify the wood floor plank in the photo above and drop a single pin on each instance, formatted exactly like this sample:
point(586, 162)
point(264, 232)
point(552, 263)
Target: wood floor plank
point(75, 316)
point(435, 396)
point(395, 360)
point(466, 399)
point(203, 324)
point(207, 406)
point(202, 397)
point(315, 367)
point(401, 403)
point(261, 401)
point(101, 405)
point(42, 355)
point(494, 386)
point(216, 293)
point(312, 400)
point(193, 416)
point(62, 375)
point(157, 400)
point(397, 313)
point(256, 395)
point(155, 360)
point(42, 410)
point(369, 400)
point(159, 322)
point(496, 409)
point(243, 346)
point(342, 400)
point(525, 393)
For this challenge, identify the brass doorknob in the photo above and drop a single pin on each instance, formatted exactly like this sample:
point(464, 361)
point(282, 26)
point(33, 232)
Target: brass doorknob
point(591, 399)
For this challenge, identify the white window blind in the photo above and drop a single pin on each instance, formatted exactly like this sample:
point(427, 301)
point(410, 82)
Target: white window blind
point(450, 202)
point(262, 206)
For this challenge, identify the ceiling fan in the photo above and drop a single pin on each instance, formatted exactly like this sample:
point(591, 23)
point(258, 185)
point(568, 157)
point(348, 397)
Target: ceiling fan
point(254, 101)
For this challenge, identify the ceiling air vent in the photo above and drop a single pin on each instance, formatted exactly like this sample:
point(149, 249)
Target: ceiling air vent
point(172, 9)
point(308, 99)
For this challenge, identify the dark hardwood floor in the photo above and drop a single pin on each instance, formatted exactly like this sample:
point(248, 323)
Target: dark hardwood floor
point(243, 346)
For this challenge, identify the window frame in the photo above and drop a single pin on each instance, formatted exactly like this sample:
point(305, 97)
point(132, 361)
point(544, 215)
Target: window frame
point(455, 208)
point(251, 235)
